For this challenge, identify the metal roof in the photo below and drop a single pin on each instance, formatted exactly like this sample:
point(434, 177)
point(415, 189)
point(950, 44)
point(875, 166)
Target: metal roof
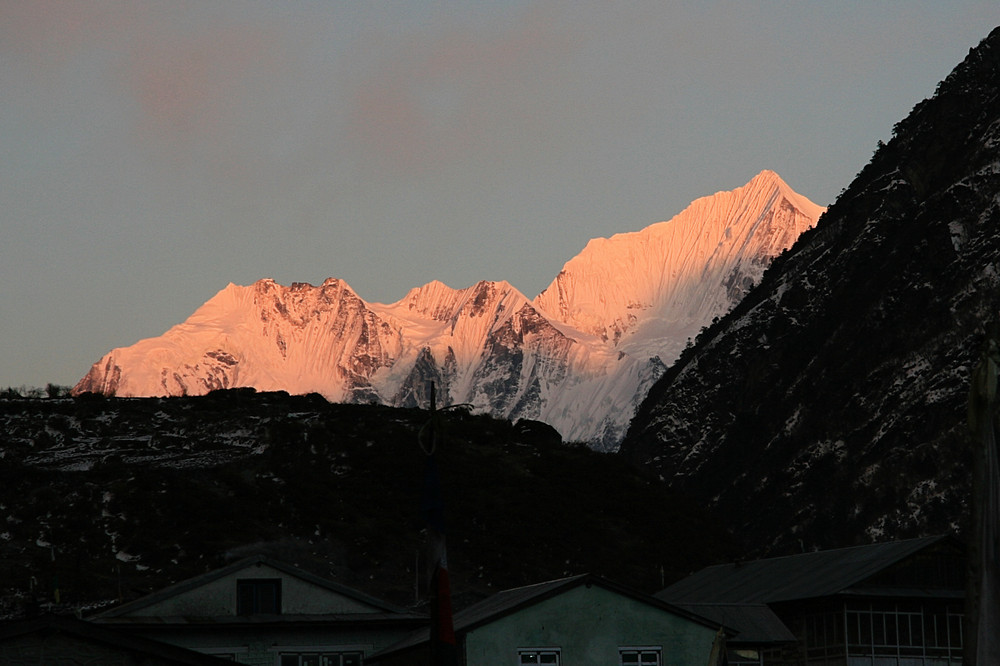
point(756, 624)
point(140, 648)
point(508, 601)
point(806, 576)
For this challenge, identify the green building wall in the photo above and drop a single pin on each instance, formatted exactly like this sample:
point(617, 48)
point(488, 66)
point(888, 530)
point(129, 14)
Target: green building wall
point(589, 625)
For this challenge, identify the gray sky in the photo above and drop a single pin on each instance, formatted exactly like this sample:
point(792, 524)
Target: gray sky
point(152, 152)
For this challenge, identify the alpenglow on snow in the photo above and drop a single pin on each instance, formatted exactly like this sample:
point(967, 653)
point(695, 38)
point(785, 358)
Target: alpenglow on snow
point(580, 356)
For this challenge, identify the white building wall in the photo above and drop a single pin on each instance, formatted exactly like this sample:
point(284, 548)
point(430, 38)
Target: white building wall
point(218, 598)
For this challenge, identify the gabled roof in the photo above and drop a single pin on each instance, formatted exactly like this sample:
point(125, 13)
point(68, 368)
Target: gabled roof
point(806, 576)
point(510, 601)
point(211, 576)
point(91, 634)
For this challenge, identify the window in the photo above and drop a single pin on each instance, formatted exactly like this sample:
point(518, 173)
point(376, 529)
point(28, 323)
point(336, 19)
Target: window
point(824, 636)
point(898, 633)
point(548, 656)
point(319, 659)
point(258, 595)
point(639, 656)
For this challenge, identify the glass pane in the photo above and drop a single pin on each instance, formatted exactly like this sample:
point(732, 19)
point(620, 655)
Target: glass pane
point(917, 629)
point(866, 629)
point(878, 628)
point(529, 657)
point(310, 660)
point(904, 630)
point(630, 657)
point(650, 658)
point(268, 597)
point(853, 628)
point(352, 659)
point(549, 658)
point(258, 596)
point(244, 599)
point(289, 660)
point(955, 630)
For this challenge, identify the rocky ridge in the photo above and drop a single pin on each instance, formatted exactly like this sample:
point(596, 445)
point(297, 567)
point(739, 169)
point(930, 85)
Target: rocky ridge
point(834, 394)
point(107, 499)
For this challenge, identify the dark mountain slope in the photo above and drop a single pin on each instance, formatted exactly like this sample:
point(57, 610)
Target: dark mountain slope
point(105, 498)
point(829, 407)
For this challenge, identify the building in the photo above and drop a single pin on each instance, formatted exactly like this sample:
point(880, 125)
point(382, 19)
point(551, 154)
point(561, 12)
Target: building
point(887, 604)
point(265, 612)
point(580, 620)
point(66, 641)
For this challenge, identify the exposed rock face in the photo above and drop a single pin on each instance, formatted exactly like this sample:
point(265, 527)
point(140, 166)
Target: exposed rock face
point(580, 356)
point(322, 339)
point(831, 402)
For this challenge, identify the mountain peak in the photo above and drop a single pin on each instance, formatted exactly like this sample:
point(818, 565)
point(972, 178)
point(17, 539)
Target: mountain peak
point(766, 177)
point(770, 179)
point(687, 270)
point(581, 362)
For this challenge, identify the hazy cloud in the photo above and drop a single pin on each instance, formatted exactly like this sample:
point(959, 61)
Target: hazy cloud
point(48, 33)
point(197, 93)
point(438, 99)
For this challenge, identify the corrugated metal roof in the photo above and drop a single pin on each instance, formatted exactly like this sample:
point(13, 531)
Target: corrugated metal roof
point(805, 576)
point(141, 649)
point(509, 600)
point(493, 606)
point(756, 624)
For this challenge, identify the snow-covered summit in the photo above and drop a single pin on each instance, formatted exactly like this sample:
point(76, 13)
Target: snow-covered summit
point(580, 356)
point(647, 292)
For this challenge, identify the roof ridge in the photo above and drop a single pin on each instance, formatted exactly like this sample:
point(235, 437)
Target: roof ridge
point(564, 579)
point(839, 549)
point(804, 575)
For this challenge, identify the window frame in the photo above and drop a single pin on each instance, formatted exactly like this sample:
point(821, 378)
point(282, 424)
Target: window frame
point(280, 651)
point(255, 585)
point(639, 650)
point(896, 630)
point(550, 650)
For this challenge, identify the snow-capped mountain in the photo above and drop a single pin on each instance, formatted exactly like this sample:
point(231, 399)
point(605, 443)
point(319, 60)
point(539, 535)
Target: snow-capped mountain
point(647, 292)
point(580, 356)
point(299, 338)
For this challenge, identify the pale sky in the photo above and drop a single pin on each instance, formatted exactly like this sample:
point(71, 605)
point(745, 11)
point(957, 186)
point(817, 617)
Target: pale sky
point(151, 152)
